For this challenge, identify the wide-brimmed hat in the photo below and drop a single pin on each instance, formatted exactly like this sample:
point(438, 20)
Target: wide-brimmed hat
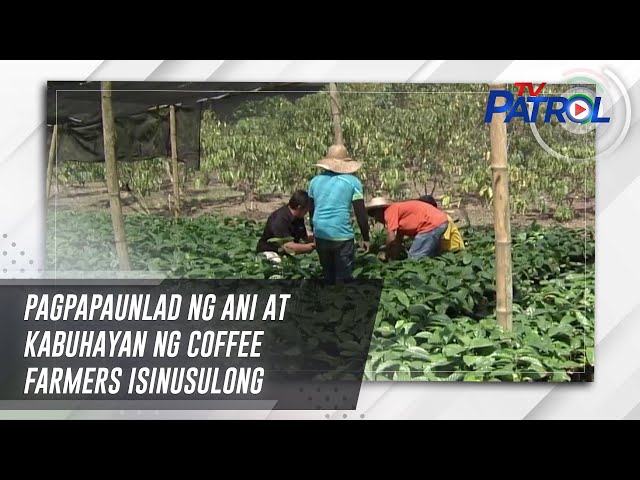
point(378, 202)
point(337, 160)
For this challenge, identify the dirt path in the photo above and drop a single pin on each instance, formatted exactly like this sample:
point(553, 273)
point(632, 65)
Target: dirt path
point(217, 199)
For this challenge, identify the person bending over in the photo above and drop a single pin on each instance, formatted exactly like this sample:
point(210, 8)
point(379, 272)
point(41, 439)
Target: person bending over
point(411, 218)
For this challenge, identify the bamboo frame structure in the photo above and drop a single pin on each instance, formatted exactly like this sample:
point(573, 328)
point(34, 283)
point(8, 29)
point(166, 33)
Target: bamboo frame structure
point(174, 161)
point(335, 114)
point(111, 174)
point(501, 214)
point(52, 157)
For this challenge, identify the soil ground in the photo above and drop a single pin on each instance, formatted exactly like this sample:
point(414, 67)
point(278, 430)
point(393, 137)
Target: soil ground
point(218, 199)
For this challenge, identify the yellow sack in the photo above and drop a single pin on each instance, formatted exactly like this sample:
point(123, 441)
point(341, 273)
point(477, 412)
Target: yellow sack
point(451, 240)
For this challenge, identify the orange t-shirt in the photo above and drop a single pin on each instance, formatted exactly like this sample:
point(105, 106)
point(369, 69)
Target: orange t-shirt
point(413, 217)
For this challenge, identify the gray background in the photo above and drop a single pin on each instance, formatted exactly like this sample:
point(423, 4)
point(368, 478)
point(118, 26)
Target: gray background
point(616, 391)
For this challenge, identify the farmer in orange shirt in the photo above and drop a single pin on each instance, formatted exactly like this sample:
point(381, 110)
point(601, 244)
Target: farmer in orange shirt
point(412, 218)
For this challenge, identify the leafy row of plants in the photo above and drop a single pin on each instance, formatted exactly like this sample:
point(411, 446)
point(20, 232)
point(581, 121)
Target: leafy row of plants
point(435, 320)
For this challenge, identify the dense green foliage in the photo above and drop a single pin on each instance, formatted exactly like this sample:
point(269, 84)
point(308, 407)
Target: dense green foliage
point(412, 138)
point(435, 320)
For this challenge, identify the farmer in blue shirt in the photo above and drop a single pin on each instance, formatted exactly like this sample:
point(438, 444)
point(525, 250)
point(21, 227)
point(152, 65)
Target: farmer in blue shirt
point(334, 193)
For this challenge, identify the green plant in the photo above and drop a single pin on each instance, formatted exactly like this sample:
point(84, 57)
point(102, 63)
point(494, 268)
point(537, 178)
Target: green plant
point(435, 320)
point(563, 213)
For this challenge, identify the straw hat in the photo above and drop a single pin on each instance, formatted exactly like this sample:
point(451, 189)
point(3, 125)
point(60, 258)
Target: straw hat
point(337, 160)
point(378, 202)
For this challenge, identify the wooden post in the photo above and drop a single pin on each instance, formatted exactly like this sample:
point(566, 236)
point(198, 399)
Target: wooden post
point(52, 157)
point(111, 174)
point(501, 215)
point(335, 114)
point(174, 160)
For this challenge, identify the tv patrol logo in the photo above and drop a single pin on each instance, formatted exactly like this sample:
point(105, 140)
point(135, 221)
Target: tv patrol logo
point(580, 106)
point(578, 109)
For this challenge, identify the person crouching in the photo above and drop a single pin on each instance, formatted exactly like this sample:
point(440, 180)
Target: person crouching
point(287, 222)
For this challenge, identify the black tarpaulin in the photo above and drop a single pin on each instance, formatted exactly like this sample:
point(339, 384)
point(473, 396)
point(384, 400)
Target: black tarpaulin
point(138, 137)
point(81, 100)
point(142, 125)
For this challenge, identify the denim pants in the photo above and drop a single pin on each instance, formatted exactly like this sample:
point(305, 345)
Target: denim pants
point(336, 259)
point(427, 244)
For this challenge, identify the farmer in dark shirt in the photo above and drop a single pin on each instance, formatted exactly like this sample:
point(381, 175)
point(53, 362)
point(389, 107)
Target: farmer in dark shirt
point(287, 221)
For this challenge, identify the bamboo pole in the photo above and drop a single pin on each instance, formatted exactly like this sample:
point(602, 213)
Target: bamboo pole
point(501, 215)
point(52, 156)
point(174, 160)
point(111, 174)
point(335, 114)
